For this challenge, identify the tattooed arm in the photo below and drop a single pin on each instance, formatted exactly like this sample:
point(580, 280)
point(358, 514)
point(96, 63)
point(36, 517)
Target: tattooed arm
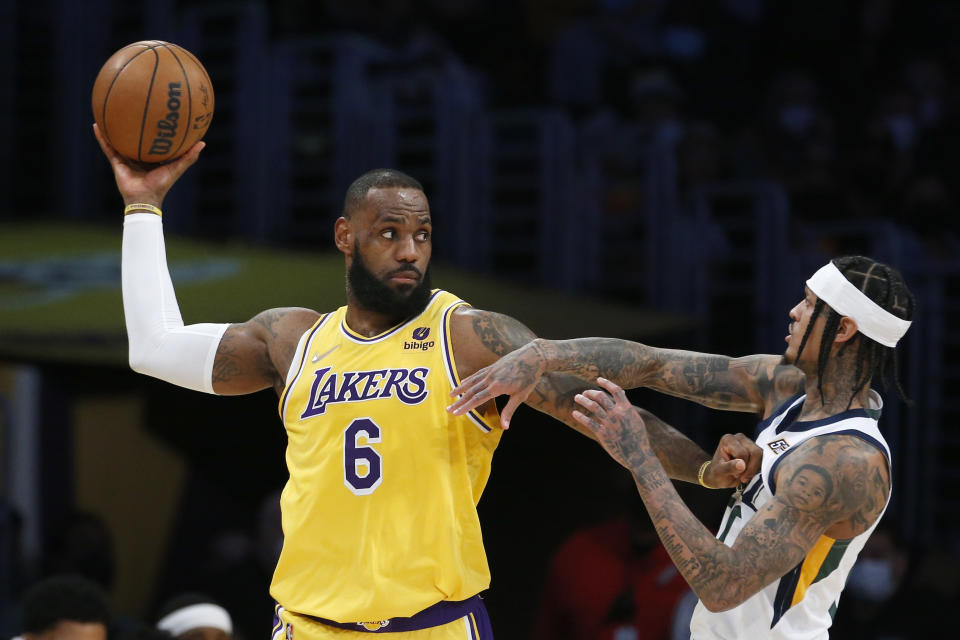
point(754, 384)
point(831, 485)
point(480, 338)
point(256, 354)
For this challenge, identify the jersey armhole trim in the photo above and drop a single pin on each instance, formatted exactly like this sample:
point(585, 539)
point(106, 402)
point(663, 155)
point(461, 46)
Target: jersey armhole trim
point(451, 366)
point(845, 432)
point(307, 338)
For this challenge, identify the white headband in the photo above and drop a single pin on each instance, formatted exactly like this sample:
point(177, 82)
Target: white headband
point(196, 615)
point(873, 321)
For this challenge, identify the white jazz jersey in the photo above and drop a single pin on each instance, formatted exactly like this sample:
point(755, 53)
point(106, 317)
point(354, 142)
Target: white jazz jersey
point(802, 603)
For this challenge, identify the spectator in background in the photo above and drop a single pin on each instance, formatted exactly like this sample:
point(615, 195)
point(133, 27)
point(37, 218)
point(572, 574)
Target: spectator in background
point(871, 587)
point(612, 581)
point(193, 616)
point(83, 545)
point(928, 199)
point(237, 572)
point(65, 608)
point(599, 48)
point(799, 144)
point(144, 632)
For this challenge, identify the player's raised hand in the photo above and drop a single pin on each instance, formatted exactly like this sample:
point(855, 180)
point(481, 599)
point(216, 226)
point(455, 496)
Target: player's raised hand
point(736, 461)
point(145, 184)
point(615, 422)
point(515, 374)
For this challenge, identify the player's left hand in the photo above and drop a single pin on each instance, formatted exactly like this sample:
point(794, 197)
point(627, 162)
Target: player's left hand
point(615, 422)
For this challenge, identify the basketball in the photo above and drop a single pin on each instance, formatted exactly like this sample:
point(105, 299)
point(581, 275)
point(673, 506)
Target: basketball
point(152, 100)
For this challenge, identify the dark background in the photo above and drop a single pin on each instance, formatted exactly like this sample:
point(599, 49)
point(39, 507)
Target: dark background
point(693, 157)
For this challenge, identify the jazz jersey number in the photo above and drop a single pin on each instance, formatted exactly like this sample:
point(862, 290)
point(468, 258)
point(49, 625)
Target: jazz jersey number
point(362, 465)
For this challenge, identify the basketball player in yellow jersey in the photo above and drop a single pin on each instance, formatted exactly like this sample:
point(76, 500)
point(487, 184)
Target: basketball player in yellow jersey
point(379, 513)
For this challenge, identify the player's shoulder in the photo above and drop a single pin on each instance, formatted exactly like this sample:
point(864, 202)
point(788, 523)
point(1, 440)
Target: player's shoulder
point(292, 315)
point(285, 323)
point(479, 337)
point(842, 475)
point(497, 332)
point(836, 450)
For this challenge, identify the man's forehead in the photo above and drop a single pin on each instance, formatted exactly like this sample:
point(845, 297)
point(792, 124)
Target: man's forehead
point(384, 201)
point(400, 195)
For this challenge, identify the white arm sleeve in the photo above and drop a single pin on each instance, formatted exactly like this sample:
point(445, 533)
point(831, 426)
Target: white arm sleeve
point(160, 346)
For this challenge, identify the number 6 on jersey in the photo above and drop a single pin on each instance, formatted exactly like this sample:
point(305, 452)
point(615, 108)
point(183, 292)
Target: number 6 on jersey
point(355, 457)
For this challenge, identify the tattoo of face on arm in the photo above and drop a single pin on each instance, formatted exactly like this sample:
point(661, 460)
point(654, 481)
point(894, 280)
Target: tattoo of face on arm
point(839, 478)
point(830, 485)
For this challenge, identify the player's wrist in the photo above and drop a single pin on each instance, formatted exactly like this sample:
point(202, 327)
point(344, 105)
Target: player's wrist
point(143, 198)
point(141, 207)
point(702, 474)
point(543, 353)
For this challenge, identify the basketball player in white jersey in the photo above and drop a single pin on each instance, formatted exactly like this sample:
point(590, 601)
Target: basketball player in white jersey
point(790, 536)
point(381, 533)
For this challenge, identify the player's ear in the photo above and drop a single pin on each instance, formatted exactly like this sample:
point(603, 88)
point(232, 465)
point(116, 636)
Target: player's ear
point(847, 329)
point(343, 235)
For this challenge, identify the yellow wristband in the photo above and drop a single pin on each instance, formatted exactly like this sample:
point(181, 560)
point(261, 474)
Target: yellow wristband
point(141, 207)
point(700, 473)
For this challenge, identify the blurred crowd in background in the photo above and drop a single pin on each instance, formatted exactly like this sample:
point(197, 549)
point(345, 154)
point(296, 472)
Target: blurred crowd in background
point(849, 108)
point(852, 106)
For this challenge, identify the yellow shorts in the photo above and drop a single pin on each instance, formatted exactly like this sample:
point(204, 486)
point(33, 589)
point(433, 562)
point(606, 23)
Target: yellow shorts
point(472, 625)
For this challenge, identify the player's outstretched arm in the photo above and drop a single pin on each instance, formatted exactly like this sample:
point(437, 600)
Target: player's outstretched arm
point(753, 384)
point(834, 485)
point(481, 338)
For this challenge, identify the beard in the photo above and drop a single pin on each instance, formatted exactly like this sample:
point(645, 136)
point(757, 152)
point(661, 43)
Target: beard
point(374, 295)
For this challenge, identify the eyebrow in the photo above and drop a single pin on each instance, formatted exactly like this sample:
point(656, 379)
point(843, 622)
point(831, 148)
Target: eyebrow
point(398, 219)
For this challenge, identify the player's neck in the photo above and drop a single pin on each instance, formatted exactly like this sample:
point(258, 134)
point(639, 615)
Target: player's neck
point(837, 385)
point(368, 323)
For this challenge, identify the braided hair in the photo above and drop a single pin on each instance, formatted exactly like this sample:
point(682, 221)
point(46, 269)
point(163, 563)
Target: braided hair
point(885, 286)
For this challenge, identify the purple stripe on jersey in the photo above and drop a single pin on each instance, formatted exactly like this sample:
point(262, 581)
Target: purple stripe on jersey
point(346, 330)
point(444, 612)
point(447, 354)
point(303, 359)
point(449, 347)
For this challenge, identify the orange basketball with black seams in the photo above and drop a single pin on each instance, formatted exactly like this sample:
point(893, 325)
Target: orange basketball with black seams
point(152, 100)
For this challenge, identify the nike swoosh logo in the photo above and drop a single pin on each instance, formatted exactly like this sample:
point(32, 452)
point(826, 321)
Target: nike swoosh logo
point(317, 357)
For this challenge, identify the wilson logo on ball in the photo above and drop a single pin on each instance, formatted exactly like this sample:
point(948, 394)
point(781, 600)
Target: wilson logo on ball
point(167, 127)
point(152, 101)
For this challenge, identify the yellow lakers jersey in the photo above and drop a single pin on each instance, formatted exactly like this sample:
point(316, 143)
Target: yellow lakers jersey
point(379, 513)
